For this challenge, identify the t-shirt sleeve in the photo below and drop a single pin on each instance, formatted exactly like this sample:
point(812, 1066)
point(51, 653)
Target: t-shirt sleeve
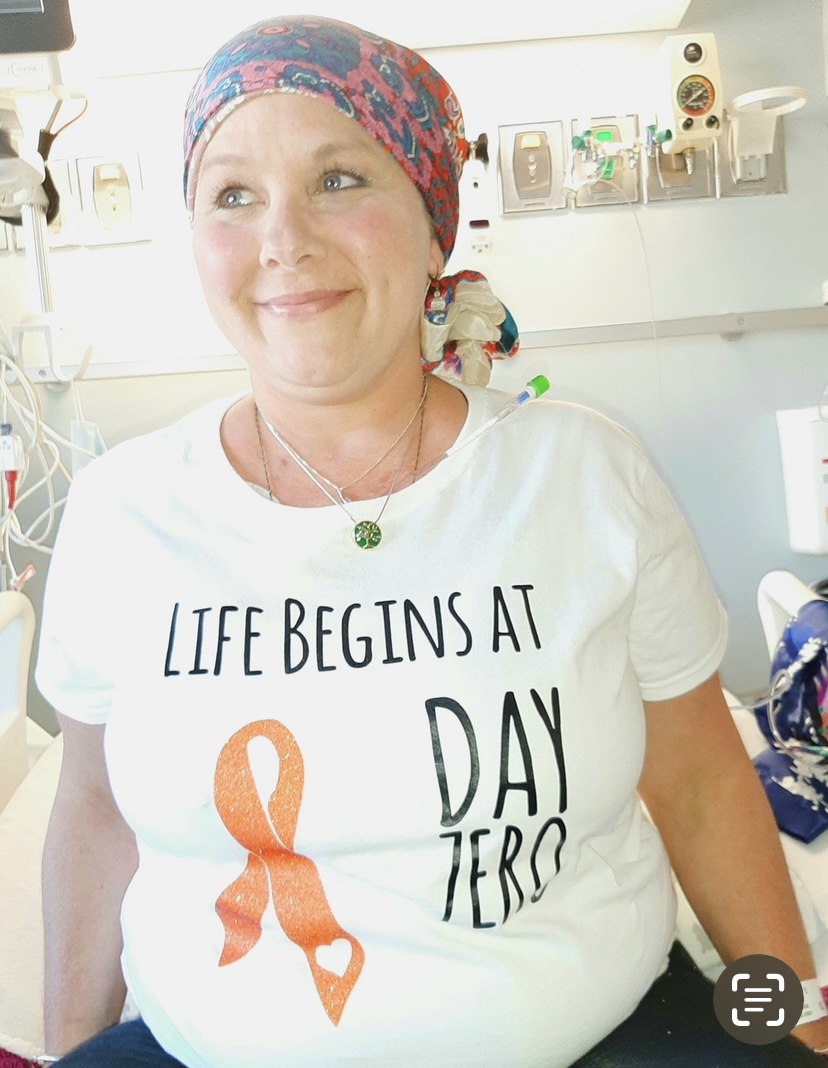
point(678, 629)
point(77, 645)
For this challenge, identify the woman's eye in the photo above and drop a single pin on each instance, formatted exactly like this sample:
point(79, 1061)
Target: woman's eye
point(233, 198)
point(336, 180)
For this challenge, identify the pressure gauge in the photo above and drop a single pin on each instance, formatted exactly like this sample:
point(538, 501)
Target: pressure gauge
point(695, 95)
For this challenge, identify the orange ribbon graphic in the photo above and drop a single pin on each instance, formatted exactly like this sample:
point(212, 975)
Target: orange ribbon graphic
point(274, 869)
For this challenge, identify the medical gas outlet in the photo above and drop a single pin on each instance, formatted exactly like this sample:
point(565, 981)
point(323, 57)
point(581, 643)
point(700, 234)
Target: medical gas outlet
point(803, 441)
point(603, 164)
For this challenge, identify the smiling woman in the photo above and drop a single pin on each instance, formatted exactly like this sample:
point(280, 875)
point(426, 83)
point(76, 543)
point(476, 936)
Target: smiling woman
point(380, 690)
point(320, 244)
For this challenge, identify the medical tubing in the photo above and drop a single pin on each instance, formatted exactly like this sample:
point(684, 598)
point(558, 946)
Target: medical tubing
point(536, 387)
point(21, 407)
point(571, 191)
point(532, 390)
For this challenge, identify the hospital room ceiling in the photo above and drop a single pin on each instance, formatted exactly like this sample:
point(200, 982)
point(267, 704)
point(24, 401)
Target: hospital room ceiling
point(178, 34)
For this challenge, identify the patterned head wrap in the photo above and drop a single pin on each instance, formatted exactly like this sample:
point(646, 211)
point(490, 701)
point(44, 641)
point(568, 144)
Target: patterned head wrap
point(392, 92)
point(404, 103)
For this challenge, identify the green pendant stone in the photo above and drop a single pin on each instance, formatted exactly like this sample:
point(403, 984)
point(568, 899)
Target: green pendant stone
point(367, 534)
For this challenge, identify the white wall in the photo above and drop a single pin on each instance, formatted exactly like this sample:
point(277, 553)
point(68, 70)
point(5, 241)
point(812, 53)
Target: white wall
point(704, 406)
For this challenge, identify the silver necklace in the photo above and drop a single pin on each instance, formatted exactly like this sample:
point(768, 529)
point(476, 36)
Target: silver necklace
point(340, 490)
point(366, 533)
point(262, 452)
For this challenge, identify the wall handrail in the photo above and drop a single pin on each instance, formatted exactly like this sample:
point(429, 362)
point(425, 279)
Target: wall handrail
point(730, 325)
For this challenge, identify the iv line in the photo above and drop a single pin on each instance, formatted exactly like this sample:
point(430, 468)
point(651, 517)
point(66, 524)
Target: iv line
point(533, 389)
point(536, 387)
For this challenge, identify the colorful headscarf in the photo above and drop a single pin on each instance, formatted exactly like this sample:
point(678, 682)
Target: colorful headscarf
point(394, 94)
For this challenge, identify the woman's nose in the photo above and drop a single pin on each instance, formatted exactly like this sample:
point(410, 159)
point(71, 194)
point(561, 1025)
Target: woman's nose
point(289, 234)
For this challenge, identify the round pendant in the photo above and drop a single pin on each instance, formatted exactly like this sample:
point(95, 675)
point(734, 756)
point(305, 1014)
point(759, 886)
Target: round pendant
point(367, 534)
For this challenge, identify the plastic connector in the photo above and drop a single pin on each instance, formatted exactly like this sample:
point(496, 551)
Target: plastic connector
point(12, 457)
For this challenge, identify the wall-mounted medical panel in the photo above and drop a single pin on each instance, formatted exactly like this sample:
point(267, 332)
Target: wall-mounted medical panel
point(688, 175)
point(760, 174)
point(604, 161)
point(112, 200)
point(531, 161)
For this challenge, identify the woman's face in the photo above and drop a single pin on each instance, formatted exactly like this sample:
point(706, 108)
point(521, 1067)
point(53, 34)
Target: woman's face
point(313, 247)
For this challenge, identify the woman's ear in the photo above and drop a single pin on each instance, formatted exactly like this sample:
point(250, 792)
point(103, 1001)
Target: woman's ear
point(436, 262)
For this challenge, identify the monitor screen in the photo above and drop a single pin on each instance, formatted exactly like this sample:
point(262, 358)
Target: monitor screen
point(35, 26)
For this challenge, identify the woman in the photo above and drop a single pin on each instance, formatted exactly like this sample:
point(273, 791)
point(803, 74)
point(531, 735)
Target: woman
point(374, 718)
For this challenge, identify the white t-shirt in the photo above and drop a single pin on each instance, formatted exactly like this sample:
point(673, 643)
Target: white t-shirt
point(384, 800)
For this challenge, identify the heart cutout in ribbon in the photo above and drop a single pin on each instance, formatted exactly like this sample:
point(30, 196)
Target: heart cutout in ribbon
point(336, 957)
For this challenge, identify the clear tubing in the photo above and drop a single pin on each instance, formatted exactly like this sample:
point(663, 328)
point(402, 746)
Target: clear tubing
point(533, 389)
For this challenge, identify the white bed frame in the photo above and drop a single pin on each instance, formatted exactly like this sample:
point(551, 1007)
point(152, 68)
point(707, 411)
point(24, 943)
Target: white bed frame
point(29, 768)
point(17, 624)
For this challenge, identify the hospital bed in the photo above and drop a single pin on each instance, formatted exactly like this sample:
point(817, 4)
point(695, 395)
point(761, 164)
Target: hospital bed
point(29, 767)
point(780, 596)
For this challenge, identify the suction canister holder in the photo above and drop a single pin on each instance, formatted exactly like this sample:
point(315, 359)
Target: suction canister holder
point(752, 132)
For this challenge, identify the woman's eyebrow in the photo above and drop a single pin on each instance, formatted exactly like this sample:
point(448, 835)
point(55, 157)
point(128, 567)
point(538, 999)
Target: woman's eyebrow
point(320, 153)
point(333, 148)
point(223, 160)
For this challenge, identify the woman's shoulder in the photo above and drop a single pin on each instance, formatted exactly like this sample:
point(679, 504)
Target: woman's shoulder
point(565, 424)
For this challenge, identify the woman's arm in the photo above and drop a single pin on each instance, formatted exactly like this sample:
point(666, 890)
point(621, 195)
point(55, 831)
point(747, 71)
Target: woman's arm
point(709, 806)
point(88, 860)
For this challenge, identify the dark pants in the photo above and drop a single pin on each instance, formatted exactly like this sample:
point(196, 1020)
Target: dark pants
point(673, 1027)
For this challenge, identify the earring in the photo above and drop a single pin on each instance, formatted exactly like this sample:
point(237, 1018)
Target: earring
point(435, 304)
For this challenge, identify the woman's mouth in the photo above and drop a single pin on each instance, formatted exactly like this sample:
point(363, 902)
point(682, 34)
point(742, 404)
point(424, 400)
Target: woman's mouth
point(303, 305)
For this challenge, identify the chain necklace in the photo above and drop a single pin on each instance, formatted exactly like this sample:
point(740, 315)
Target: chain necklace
point(262, 453)
point(340, 489)
point(367, 533)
